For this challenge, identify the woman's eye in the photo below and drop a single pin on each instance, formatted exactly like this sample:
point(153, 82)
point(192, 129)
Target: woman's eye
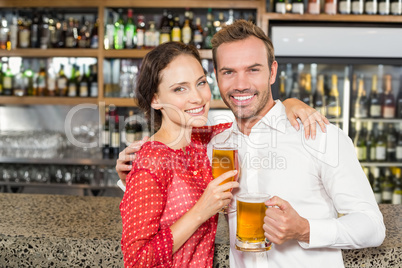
point(179, 89)
point(201, 83)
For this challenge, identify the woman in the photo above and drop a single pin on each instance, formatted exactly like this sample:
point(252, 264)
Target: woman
point(171, 201)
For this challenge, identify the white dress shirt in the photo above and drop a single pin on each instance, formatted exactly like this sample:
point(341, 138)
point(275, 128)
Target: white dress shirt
point(319, 178)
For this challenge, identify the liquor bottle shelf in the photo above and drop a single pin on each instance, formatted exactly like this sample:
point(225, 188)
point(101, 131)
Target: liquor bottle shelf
point(376, 120)
point(185, 3)
point(140, 53)
point(381, 164)
point(56, 185)
point(48, 53)
point(58, 161)
point(35, 100)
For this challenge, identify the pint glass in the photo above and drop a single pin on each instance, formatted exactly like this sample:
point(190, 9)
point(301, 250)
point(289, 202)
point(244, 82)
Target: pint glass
point(225, 158)
point(250, 219)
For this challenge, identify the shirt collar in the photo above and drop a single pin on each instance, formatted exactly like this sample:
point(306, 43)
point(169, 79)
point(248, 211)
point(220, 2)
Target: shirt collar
point(275, 118)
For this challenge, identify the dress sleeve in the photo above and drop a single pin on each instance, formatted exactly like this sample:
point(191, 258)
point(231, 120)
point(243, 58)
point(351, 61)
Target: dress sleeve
point(143, 243)
point(206, 133)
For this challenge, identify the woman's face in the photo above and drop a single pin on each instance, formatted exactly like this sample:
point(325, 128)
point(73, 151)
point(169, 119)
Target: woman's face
point(183, 94)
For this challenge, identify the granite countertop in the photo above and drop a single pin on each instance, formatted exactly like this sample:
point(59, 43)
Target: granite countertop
point(72, 231)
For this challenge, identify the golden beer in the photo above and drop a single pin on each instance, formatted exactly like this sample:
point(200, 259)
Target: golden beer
point(250, 219)
point(224, 159)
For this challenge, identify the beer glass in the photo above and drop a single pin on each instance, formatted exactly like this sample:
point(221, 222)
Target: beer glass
point(225, 158)
point(250, 219)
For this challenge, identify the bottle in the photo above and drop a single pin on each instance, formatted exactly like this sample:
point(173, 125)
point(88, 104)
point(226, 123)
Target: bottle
point(360, 142)
point(198, 34)
point(319, 96)
point(44, 32)
point(176, 31)
point(391, 143)
point(114, 136)
point(313, 7)
point(51, 80)
point(387, 187)
point(130, 31)
point(397, 194)
point(19, 87)
point(41, 80)
point(399, 100)
point(94, 43)
point(388, 104)
point(109, 32)
point(61, 82)
point(298, 6)
point(14, 32)
point(371, 7)
point(8, 78)
point(219, 23)
point(282, 81)
point(361, 104)
point(4, 32)
point(63, 33)
point(370, 142)
point(280, 6)
point(295, 92)
point(381, 144)
point(130, 129)
point(84, 84)
point(106, 135)
point(141, 32)
point(306, 94)
point(334, 105)
point(28, 81)
point(357, 7)
point(72, 83)
point(71, 41)
point(54, 25)
point(119, 31)
point(383, 7)
point(209, 30)
point(84, 37)
point(375, 101)
point(164, 28)
point(345, 6)
point(186, 32)
point(377, 185)
point(93, 81)
point(396, 7)
point(399, 145)
point(330, 7)
point(24, 35)
point(151, 36)
point(35, 31)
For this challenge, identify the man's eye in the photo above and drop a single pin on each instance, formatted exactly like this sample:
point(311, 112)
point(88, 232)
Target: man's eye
point(227, 72)
point(254, 70)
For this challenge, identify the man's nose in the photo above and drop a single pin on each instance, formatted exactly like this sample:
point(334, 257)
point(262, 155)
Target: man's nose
point(242, 82)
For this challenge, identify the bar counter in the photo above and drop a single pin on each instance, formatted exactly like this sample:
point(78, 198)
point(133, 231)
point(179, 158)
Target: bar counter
point(72, 231)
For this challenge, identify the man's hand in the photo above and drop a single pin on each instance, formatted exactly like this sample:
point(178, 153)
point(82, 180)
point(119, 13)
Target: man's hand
point(309, 117)
point(283, 223)
point(123, 163)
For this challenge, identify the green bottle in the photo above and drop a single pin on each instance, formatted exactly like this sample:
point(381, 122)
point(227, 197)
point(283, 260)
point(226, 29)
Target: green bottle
point(130, 31)
point(397, 195)
point(387, 187)
point(377, 185)
point(8, 82)
point(119, 32)
point(360, 142)
point(381, 144)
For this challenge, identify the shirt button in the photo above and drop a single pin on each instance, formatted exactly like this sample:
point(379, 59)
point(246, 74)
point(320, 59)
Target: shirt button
point(195, 173)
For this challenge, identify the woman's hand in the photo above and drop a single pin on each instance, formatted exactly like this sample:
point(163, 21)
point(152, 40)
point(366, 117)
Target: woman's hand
point(123, 163)
point(215, 196)
point(309, 117)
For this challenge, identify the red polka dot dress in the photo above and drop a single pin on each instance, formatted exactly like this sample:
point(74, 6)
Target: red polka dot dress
point(162, 186)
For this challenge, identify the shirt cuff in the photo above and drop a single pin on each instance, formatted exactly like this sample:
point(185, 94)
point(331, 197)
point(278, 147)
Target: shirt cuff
point(163, 246)
point(323, 233)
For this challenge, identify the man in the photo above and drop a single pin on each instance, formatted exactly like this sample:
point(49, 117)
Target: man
point(311, 181)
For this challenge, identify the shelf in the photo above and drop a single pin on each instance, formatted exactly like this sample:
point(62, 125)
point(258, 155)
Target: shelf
point(381, 164)
point(120, 102)
point(35, 100)
point(140, 53)
point(58, 161)
point(51, 52)
point(335, 120)
point(376, 120)
point(333, 18)
point(225, 4)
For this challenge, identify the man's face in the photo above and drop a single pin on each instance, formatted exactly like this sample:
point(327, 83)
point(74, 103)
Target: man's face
point(244, 78)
